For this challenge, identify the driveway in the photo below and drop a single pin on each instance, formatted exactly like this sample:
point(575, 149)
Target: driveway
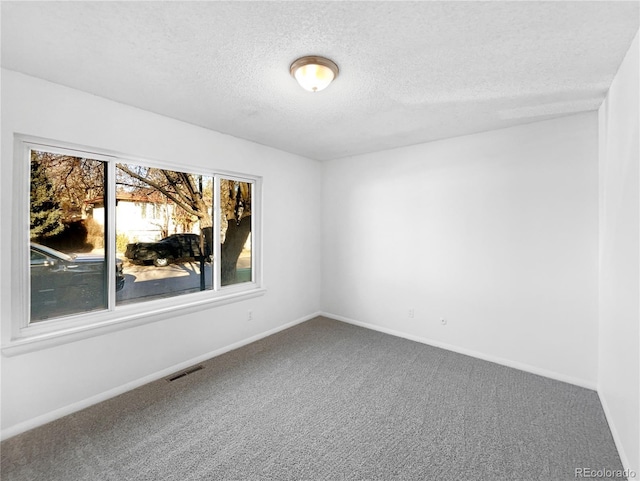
point(153, 282)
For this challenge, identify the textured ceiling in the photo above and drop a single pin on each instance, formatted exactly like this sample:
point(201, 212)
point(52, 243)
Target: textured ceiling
point(410, 72)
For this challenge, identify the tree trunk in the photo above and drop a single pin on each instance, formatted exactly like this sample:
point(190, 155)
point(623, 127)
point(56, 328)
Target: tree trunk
point(235, 239)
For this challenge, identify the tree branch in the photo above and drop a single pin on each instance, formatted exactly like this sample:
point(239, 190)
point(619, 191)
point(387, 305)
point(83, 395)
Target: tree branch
point(170, 195)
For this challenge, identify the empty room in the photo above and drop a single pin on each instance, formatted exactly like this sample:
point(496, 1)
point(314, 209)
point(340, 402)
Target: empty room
point(300, 240)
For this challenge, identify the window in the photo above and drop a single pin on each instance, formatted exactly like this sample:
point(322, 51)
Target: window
point(67, 257)
point(107, 233)
point(164, 230)
point(235, 231)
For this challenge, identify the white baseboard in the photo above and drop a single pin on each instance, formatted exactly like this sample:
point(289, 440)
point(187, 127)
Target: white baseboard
point(85, 403)
point(616, 439)
point(468, 352)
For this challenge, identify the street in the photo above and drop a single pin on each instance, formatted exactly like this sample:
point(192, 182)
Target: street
point(149, 281)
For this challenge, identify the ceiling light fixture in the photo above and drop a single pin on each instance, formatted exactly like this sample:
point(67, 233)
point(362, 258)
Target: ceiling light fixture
point(314, 73)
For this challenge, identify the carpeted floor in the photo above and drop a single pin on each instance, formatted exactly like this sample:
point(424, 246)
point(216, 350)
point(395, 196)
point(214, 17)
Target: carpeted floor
point(328, 401)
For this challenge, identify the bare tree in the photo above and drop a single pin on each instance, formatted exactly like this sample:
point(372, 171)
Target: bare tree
point(188, 193)
point(74, 180)
point(235, 200)
point(181, 188)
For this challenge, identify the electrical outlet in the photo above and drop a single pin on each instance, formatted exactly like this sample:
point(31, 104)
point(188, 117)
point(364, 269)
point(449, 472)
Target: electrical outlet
point(249, 315)
point(412, 313)
point(443, 321)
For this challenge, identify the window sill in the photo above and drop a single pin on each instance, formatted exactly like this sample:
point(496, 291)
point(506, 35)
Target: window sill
point(122, 318)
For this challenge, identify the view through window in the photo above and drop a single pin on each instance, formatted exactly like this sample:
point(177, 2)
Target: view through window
point(67, 239)
point(235, 231)
point(163, 228)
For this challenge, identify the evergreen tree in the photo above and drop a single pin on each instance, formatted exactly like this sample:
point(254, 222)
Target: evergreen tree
point(46, 216)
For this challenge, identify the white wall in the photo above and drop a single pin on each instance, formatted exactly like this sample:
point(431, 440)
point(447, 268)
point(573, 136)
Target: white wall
point(618, 373)
point(496, 232)
point(42, 384)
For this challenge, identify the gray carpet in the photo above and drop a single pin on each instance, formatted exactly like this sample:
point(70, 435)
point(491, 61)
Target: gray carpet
point(328, 401)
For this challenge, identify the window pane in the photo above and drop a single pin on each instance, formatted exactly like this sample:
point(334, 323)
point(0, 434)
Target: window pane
point(67, 257)
point(163, 232)
point(235, 232)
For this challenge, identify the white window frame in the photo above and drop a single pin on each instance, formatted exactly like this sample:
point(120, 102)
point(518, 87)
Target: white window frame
point(26, 336)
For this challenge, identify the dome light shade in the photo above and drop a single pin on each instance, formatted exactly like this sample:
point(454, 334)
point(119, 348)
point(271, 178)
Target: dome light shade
point(314, 73)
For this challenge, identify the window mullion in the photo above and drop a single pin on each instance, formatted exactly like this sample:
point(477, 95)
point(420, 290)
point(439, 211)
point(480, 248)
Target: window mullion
point(217, 212)
point(254, 234)
point(110, 234)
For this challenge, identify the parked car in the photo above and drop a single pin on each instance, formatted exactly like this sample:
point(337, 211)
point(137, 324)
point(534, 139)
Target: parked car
point(67, 283)
point(161, 253)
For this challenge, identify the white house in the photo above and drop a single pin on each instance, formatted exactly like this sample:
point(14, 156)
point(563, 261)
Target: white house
point(141, 218)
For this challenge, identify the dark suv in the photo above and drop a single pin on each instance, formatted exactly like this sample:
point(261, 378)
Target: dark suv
point(176, 246)
point(63, 284)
